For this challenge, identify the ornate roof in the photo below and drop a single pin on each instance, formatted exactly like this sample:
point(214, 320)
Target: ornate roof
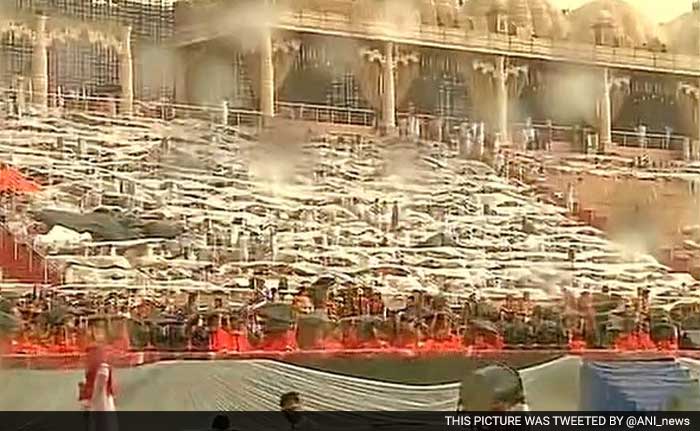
point(534, 17)
point(682, 35)
point(630, 26)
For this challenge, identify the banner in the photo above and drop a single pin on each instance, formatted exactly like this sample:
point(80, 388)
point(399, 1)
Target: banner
point(356, 421)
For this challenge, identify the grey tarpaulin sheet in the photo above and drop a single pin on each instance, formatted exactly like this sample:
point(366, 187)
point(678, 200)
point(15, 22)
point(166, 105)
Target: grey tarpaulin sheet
point(104, 226)
point(258, 384)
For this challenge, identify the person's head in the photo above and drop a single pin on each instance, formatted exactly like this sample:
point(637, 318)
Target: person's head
point(290, 402)
point(492, 388)
point(507, 405)
point(303, 304)
point(221, 423)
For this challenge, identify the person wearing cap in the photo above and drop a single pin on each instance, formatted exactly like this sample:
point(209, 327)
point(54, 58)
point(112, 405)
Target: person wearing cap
point(495, 387)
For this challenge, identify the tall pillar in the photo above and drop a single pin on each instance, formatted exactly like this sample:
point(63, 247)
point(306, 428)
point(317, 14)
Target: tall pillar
point(501, 77)
point(267, 77)
point(224, 112)
point(40, 65)
point(697, 118)
point(21, 96)
point(389, 95)
point(180, 74)
point(605, 113)
point(127, 73)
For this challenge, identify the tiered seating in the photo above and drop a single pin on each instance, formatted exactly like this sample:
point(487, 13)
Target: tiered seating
point(328, 203)
point(637, 386)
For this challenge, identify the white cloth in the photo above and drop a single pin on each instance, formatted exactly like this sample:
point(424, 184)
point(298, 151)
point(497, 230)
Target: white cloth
point(413, 127)
point(101, 400)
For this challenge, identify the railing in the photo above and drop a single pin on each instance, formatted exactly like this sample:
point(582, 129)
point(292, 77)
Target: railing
point(459, 39)
point(111, 106)
point(448, 121)
point(325, 114)
point(166, 110)
point(15, 252)
point(628, 138)
point(621, 137)
point(560, 132)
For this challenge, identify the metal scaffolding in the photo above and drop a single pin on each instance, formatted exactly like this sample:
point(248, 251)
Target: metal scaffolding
point(91, 67)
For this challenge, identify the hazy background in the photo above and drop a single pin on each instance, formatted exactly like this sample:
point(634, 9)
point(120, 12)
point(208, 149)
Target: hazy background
point(658, 10)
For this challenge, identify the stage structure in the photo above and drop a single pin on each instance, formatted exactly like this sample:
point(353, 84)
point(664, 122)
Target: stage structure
point(85, 58)
point(489, 60)
point(498, 48)
point(48, 38)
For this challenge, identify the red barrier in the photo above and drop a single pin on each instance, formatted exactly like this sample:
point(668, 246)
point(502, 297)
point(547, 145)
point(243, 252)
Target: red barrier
point(227, 344)
point(133, 359)
point(19, 262)
point(634, 342)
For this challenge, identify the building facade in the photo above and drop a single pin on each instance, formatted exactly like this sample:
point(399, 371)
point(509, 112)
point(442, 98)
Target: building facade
point(325, 70)
point(90, 65)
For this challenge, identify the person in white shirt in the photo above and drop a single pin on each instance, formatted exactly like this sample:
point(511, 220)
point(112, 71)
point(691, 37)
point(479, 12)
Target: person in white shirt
point(97, 392)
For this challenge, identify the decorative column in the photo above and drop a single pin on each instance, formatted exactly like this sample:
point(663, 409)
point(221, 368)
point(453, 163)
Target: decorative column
point(21, 96)
point(389, 95)
point(695, 149)
point(267, 77)
point(501, 90)
point(692, 99)
point(605, 113)
point(180, 74)
point(695, 143)
point(127, 73)
point(40, 65)
point(224, 112)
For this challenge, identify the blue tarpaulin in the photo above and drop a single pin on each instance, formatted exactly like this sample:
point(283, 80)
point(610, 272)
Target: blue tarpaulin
point(636, 385)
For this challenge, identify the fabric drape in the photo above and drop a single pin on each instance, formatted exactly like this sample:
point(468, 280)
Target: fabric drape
point(687, 111)
point(406, 73)
point(252, 65)
point(283, 60)
point(617, 99)
point(481, 87)
point(369, 79)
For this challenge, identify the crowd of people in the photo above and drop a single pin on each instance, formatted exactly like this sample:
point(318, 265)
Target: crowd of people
point(337, 317)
